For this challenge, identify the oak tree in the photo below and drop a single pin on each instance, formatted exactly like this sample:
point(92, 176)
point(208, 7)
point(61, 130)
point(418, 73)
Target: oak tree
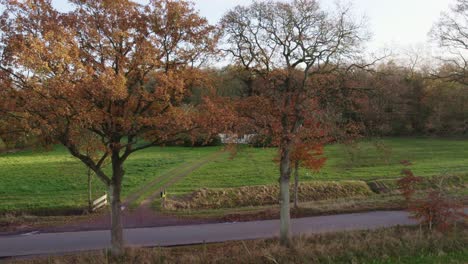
point(113, 68)
point(285, 45)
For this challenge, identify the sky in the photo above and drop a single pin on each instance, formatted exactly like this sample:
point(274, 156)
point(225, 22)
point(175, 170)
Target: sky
point(394, 24)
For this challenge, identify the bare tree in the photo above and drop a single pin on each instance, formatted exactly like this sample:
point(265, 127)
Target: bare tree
point(299, 40)
point(451, 33)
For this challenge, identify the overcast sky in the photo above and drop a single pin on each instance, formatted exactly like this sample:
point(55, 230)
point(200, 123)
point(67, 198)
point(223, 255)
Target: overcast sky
point(393, 23)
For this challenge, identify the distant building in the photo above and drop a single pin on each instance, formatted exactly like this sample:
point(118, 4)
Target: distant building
point(236, 139)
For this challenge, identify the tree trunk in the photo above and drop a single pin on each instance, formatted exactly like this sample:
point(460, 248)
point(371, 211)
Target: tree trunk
point(90, 195)
point(117, 240)
point(116, 221)
point(285, 215)
point(296, 184)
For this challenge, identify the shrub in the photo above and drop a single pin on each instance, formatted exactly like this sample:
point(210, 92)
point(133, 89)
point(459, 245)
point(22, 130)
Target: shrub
point(198, 140)
point(202, 141)
point(437, 209)
point(3, 146)
point(407, 184)
point(262, 141)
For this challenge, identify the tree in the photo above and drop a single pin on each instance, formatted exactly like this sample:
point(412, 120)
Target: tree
point(309, 156)
point(113, 68)
point(396, 101)
point(451, 32)
point(286, 47)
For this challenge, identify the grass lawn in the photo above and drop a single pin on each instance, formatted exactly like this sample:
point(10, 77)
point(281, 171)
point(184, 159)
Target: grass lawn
point(364, 161)
point(54, 180)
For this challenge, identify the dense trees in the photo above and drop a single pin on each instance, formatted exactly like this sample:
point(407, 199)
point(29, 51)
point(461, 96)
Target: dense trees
point(398, 101)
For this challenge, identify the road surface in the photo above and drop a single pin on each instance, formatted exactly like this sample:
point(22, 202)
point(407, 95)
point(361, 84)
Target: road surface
point(57, 243)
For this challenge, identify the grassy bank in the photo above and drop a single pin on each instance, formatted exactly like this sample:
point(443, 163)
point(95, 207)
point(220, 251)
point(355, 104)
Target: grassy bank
point(394, 245)
point(268, 195)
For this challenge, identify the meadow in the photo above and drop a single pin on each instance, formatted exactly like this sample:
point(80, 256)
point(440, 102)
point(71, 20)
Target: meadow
point(44, 181)
point(366, 160)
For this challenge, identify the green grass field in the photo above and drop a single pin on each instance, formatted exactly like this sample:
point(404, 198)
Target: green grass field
point(55, 180)
point(366, 160)
point(35, 181)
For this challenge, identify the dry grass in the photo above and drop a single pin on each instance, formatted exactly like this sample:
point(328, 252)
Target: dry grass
point(26, 222)
point(394, 245)
point(374, 202)
point(268, 195)
point(449, 181)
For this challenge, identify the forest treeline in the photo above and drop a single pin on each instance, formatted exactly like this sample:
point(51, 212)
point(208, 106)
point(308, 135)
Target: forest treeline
point(389, 100)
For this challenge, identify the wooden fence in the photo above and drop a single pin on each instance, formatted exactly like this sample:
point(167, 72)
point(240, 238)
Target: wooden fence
point(100, 202)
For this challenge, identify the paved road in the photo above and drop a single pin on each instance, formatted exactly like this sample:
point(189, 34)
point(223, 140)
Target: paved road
point(54, 243)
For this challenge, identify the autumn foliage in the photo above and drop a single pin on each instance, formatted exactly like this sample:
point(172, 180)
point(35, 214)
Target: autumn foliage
point(112, 70)
point(436, 209)
point(407, 184)
point(309, 156)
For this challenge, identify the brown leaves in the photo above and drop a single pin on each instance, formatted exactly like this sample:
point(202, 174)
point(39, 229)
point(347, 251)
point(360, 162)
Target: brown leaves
point(407, 184)
point(436, 209)
point(309, 156)
point(114, 69)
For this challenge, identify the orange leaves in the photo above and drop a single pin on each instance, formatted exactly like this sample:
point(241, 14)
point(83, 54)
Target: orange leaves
point(168, 87)
point(179, 30)
point(114, 69)
point(309, 156)
point(115, 85)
